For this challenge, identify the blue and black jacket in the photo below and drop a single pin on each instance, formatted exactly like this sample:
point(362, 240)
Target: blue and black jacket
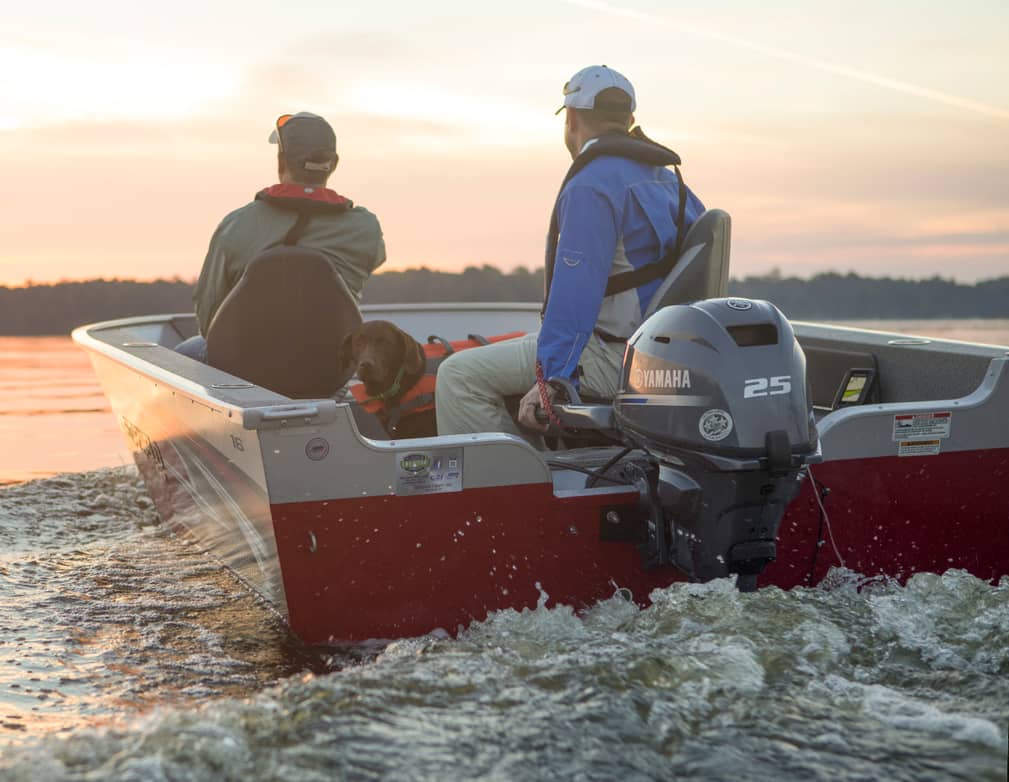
point(615, 218)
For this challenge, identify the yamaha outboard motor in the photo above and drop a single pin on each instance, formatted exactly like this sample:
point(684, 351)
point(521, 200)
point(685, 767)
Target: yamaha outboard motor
point(716, 392)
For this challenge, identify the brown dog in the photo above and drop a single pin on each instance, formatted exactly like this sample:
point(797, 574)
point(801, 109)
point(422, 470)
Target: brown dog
point(380, 351)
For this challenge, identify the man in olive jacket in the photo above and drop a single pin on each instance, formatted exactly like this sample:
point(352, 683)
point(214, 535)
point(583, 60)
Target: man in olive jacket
point(348, 236)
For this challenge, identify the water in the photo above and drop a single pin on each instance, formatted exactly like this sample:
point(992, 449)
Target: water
point(53, 415)
point(125, 654)
point(96, 625)
point(990, 331)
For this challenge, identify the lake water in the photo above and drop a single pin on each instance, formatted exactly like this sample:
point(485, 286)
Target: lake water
point(125, 654)
point(53, 415)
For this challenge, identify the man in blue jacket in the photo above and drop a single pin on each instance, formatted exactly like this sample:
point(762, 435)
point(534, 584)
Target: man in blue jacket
point(619, 214)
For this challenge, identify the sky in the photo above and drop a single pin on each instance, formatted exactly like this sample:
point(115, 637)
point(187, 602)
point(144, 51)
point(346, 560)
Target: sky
point(851, 136)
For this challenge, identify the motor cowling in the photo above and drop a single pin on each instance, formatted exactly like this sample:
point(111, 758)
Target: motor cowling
point(715, 377)
point(716, 391)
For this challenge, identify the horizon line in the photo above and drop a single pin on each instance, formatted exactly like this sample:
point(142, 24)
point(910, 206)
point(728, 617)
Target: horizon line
point(772, 274)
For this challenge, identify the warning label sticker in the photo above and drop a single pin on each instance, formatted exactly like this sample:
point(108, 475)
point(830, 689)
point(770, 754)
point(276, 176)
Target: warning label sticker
point(918, 447)
point(921, 426)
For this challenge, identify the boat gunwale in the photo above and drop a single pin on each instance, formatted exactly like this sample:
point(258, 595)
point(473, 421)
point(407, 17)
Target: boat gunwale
point(206, 395)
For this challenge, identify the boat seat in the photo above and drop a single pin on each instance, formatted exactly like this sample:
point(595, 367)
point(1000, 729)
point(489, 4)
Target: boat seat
point(283, 324)
point(702, 272)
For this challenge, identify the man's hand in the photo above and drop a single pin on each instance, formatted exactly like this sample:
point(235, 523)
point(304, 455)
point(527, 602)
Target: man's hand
point(530, 404)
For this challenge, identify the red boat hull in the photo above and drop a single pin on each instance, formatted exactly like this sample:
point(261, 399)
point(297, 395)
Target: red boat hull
point(897, 516)
point(443, 560)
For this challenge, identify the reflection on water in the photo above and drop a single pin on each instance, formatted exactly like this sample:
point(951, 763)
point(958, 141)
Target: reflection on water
point(53, 415)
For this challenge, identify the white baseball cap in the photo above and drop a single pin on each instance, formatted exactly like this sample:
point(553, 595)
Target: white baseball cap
point(581, 91)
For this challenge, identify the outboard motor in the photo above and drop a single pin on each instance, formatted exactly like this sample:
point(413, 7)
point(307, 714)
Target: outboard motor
point(716, 392)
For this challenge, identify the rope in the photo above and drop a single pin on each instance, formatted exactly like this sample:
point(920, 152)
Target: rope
point(823, 510)
point(545, 397)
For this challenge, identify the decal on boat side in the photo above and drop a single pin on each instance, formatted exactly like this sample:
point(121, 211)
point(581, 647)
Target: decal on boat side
point(142, 443)
point(429, 472)
point(415, 463)
point(921, 426)
point(918, 448)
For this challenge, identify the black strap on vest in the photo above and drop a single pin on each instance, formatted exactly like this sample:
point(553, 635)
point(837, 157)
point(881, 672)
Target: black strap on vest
point(305, 208)
point(298, 229)
point(634, 145)
point(659, 269)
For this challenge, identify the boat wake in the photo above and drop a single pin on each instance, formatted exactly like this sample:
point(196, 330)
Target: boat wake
point(106, 613)
point(126, 654)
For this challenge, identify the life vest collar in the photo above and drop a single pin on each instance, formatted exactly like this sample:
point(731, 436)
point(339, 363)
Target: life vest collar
point(304, 197)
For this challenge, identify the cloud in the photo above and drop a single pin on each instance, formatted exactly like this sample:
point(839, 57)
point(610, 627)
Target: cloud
point(796, 58)
point(455, 148)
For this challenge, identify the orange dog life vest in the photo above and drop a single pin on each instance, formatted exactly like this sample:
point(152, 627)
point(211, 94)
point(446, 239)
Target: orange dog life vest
point(420, 396)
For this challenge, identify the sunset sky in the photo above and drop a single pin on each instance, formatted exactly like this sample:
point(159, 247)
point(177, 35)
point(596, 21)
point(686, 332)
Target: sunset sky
point(856, 136)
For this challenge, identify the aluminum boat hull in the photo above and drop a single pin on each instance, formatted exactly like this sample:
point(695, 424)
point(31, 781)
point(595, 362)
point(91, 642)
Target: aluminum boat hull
point(346, 543)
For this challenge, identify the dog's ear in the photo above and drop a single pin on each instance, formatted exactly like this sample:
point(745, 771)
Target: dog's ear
point(414, 359)
point(348, 359)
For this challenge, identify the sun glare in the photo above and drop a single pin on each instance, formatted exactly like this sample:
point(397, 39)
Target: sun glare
point(57, 88)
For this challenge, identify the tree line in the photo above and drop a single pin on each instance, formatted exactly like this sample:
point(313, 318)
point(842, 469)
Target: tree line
point(60, 307)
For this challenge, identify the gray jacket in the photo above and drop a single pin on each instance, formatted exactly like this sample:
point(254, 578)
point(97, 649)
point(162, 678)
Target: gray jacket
point(351, 240)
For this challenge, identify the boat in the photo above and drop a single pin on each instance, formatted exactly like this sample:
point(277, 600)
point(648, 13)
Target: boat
point(742, 445)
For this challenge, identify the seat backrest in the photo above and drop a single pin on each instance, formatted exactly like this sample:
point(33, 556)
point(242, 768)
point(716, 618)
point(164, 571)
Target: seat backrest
point(283, 324)
point(702, 271)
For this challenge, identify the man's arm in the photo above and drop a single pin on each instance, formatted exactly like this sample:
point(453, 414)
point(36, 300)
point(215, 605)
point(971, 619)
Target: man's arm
point(585, 250)
point(212, 286)
point(379, 248)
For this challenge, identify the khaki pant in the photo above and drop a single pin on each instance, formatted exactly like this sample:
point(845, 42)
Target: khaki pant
point(472, 384)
